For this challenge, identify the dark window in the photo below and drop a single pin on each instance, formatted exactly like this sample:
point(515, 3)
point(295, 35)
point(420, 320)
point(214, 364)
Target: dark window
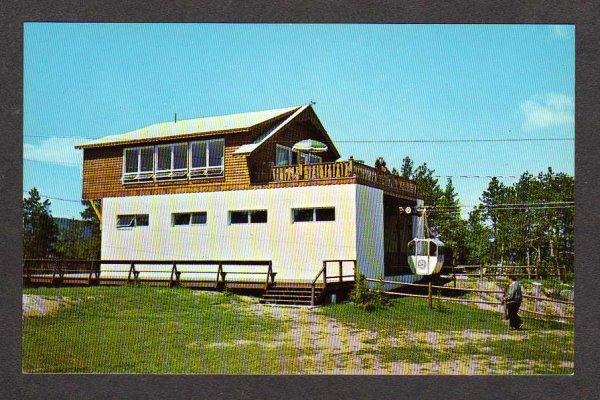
point(198, 218)
point(313, 214)
point(325, 214)
point(132, 220)
point(303, 214)
point(258, 217)
point(181, 219)
point(164, 157)
point(131, 160)
point(244, 217)
point(147, 159)
point(141, 220)
point(238, 217)
point(125, 221)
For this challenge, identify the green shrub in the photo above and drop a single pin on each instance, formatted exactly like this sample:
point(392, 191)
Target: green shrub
point(368, 299)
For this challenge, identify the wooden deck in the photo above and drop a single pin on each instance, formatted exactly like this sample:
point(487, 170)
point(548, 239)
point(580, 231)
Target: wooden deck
point(344, 170)
point(52, 272)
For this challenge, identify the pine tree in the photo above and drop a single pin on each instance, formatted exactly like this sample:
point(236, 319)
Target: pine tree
point(39, 229)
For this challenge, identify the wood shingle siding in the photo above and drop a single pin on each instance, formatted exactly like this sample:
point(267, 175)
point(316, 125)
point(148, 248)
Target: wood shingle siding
point(103, 166)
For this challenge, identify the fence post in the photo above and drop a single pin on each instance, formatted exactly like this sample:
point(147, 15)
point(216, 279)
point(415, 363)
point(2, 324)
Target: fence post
point(219, 270)
point(325, 273)
point(312, 294)
point(537, 293)
point(481, 272)
point(341, 271)
point(454, 275)
point(429, 295)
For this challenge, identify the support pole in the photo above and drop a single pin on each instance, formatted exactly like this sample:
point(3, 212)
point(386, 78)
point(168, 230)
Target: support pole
point(429, 295)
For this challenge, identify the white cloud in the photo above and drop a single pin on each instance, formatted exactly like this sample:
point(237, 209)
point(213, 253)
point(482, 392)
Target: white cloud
point(560, 31)
point(553, 109)
point(55, 151)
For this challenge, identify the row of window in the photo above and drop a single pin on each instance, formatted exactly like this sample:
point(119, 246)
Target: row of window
point(235, 217)
point(196, 159)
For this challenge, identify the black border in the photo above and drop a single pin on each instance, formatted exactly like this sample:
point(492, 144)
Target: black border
point(584, 383)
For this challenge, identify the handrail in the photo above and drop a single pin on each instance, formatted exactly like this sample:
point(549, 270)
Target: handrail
point(59, 267)
point(340, 170)
point(323, 271)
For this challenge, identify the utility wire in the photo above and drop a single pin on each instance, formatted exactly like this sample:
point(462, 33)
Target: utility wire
point(384, 141)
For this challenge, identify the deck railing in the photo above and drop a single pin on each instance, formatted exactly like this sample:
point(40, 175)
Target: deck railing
point(58, 270)
point(339, 277)
point(343, 169)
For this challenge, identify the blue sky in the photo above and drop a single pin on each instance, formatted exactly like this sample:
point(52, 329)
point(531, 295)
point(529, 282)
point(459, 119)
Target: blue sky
point(374, 82)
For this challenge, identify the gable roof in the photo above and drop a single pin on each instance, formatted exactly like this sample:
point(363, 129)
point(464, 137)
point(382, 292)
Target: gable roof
point(199, 126)
point(247, 149)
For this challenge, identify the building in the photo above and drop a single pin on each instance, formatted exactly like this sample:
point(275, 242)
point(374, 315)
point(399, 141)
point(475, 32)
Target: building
point(231, 188)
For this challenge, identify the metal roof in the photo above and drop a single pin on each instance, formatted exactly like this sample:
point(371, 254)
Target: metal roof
point(250, 147)
point(205, 125)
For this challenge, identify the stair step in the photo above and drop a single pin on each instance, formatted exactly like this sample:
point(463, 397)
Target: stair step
point(284, 301)
point(292, 296)
point(293, 291)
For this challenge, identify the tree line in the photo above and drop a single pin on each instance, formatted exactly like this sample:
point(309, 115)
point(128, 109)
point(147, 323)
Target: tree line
point(44, 238)
point(492, 233)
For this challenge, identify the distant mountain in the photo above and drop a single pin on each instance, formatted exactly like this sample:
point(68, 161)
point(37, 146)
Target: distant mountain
point(65, 223)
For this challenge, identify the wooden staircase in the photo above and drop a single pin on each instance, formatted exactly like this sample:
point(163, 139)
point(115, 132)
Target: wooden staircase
point(291, 295)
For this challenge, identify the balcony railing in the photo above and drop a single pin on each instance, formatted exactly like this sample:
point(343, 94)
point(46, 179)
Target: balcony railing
point(344, 169)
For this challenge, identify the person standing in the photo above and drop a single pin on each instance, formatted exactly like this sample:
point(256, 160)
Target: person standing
point(513, 299)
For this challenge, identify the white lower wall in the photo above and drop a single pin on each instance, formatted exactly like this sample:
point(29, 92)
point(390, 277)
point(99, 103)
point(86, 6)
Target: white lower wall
point(296, 249)
point(369, 231)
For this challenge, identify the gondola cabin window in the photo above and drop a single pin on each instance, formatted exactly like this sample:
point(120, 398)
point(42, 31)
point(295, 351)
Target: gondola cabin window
point(132, 221)
point(313, 214)
point(248, 217)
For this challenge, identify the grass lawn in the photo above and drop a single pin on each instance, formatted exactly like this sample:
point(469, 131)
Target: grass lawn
point(160, 330)
point(452, 332)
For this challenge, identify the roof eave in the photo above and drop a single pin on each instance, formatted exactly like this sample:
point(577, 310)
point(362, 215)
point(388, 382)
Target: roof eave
point(161, 139)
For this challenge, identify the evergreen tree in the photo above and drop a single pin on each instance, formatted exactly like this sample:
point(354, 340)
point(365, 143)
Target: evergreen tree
point(39, 229)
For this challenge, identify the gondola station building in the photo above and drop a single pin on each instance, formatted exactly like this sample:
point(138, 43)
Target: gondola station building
point(233, 187)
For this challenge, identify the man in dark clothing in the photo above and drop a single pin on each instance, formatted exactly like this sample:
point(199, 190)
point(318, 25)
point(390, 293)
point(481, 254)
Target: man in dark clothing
point(513, 299)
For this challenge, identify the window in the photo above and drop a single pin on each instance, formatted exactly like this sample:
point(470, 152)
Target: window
point(313, 214)
point(207, 158)
point(245, 217)
point(139, 163)
point(174, 160)
point(303, 214)
point(325, 214)
point(286, 156)
point(132, 220)
point(195, 218)
point(171, 160)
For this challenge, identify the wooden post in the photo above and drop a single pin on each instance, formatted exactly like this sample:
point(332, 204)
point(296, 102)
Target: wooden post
point(223, 275)
point(325, 273)
point(454, 276)
point(341, 271)
point(429, 295)
point(312, 294)
point(131, 271)
point(481, 272)
point(219, 270)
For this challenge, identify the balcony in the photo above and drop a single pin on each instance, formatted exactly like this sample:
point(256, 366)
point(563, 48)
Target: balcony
point(344, 170)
